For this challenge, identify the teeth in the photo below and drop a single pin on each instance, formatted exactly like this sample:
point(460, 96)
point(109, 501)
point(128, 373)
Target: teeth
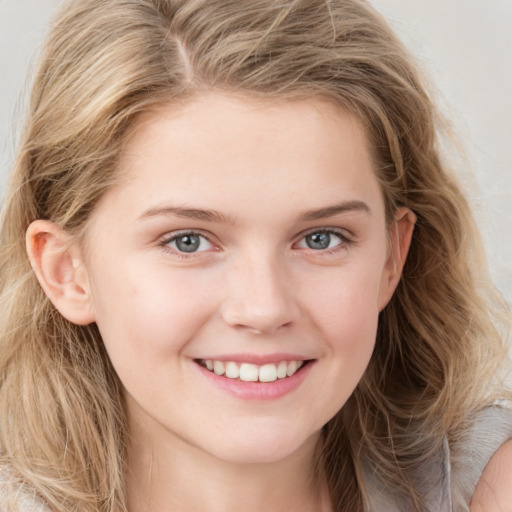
point(232, 370)
point(282, 367)
point(268, 373)
point(292, 368)
point(218, 367)
point(248, 372)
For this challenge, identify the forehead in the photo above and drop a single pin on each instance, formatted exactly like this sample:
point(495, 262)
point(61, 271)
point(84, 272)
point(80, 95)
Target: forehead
point(236, 150)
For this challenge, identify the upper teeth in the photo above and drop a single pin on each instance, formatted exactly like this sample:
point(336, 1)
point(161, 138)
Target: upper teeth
point(251, 372)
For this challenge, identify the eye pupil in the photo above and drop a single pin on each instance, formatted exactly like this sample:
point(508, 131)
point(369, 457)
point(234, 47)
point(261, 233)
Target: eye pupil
point(188, 243)
point(318, 240)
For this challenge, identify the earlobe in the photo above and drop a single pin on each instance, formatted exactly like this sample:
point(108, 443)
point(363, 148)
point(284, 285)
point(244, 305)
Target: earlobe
point(400, 236)
point(60, 271)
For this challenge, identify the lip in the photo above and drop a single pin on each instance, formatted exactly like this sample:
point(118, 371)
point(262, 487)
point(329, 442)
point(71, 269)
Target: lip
point(259, 360)
point(257, 391)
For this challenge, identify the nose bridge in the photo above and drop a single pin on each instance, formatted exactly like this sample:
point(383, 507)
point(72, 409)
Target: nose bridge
point(260, 295)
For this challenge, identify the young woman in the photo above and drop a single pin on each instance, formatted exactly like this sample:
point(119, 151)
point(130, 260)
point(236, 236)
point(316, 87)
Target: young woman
point(236, 274)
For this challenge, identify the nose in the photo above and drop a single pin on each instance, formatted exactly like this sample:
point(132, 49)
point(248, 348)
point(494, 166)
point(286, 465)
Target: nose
point(260, 296)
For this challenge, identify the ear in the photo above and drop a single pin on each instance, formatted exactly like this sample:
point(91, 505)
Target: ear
point(60, 270)
point(400, 236)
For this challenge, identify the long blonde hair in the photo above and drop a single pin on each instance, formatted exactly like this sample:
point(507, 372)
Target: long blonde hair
point(106, 62)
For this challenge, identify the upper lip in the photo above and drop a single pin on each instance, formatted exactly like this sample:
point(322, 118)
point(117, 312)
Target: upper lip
point(257, 359)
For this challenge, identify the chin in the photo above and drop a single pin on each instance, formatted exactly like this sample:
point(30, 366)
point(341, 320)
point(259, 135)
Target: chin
point(264, 449)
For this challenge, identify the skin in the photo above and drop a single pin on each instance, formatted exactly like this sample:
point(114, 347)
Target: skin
point(272, 173)
point(494, 490)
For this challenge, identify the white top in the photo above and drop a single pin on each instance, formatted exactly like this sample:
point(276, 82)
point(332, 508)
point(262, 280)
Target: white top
point(449, 480)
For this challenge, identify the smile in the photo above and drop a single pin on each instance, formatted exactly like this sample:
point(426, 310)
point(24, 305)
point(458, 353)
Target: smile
point(248, 372)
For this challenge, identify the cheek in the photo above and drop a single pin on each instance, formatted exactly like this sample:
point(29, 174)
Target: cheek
point(345, 312)
point(144, 313)
point(347, 299)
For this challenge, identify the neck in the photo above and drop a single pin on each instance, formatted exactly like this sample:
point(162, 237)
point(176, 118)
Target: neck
point(172, 475)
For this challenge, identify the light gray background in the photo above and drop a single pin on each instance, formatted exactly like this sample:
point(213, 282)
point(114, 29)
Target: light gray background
point(464, 45)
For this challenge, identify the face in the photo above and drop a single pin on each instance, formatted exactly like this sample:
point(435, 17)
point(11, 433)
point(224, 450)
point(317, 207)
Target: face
point(237, 274)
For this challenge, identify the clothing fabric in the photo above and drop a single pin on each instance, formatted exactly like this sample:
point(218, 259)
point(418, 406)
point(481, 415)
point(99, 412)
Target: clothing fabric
point(448, 481)
point(23, 500)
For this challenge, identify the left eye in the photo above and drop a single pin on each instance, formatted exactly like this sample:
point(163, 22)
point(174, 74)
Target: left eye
point(189, 242)
point(320, 241)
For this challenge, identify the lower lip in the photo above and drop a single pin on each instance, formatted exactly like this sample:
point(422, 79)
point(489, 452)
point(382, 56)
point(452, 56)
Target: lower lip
point(258, 391)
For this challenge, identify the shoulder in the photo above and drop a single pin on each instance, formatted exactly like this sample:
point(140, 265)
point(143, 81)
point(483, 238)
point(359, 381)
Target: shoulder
point(493, 492)
point(479, 457)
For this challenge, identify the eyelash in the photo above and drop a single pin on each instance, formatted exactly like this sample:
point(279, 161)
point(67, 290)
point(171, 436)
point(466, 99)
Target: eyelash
point(345, 241)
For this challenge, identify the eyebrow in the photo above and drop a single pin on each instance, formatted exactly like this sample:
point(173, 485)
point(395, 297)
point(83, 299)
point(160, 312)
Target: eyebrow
point(331, 211)
point(215, 216)
point(187, 213)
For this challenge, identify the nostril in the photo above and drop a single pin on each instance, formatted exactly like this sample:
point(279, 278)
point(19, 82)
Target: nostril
point(262, 329)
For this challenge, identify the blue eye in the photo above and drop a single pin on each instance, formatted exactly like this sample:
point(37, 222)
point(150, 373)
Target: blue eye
point(189, 243)
point(321, 241)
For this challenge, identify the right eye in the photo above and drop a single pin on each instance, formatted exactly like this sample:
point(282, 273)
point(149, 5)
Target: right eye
point(188, 243)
